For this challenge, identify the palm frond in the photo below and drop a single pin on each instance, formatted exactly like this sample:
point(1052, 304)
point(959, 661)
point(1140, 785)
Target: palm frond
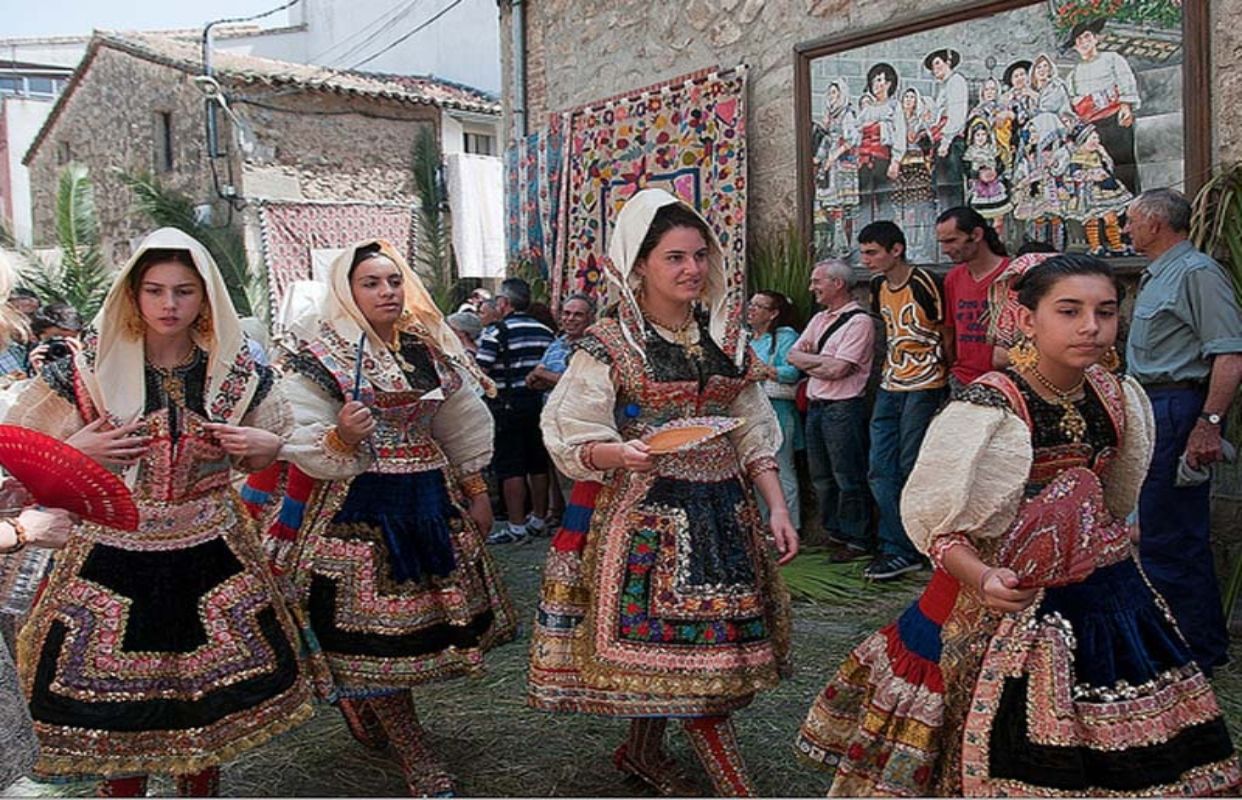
point(782, 263)
point(433, 258)
point(530, 272)
point(82, 278)
point(1216, 220)
point(812, 578)
point(171, 209)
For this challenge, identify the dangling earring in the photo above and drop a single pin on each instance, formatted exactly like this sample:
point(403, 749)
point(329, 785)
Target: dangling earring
point(1111, 360)
point(1023, 355)
point(203, 325)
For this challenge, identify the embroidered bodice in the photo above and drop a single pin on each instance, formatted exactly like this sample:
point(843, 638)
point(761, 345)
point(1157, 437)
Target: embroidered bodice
point(403, 440)
point(671, 383)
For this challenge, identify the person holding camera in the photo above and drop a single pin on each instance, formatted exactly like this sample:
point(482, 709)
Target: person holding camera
point(55, 328)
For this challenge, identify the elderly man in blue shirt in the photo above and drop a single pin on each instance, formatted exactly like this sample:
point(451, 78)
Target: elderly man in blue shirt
point(1185, 347)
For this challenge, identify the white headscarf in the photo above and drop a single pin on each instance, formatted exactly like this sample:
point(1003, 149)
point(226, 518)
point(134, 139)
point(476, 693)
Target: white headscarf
point(112, 366)
point(420, 317)
point(627, 237)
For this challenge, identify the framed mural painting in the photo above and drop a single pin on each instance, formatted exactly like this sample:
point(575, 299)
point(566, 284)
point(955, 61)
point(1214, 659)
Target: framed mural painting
point(1047, 116)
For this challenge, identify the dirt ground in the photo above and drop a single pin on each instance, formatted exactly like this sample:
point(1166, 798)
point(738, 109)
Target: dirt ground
point(496, 746)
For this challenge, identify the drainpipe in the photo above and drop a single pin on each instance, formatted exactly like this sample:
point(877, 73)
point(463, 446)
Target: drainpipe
point(213, 146)
point(519, 67)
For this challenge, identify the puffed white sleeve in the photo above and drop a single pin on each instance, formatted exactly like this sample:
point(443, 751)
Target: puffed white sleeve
point(272, 413)
point(759, 436)
point(309, 446)
point(580, 410)
point(464, 428)
point(1126, 476)
point(969, 475)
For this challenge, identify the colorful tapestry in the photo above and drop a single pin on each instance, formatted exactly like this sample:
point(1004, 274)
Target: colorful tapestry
point(534, 167)
point(686, 136)
point(292, 231)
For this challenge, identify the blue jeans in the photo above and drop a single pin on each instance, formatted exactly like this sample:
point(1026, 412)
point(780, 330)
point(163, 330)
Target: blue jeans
point(1175, 546)
point(898, 423)
point(836, 449)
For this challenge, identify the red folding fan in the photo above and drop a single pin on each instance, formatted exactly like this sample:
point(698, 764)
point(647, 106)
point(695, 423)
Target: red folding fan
point(60, 476)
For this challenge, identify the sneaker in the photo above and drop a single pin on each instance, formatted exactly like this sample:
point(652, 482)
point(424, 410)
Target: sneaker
point(537, 527)
point(840, 552)
point(886, 568)
point(507, 534)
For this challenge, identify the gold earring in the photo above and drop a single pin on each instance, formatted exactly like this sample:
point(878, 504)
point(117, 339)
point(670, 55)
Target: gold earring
point(1023, 355)
point(1111, 360)
point(203, 324)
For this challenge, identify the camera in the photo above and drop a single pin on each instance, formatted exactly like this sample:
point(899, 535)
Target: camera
point(57, 348)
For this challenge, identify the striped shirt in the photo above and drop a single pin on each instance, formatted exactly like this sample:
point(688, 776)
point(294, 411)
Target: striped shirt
point(508, 355)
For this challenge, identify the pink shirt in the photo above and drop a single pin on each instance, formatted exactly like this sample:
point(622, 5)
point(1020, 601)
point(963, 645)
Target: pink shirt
point(853, 342)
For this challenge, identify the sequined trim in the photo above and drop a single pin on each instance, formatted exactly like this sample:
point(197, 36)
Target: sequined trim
point(760, 465)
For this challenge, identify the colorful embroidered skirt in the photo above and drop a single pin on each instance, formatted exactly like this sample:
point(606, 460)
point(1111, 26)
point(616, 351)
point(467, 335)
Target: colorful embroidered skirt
point(163, 650)
point(662, 601)
point(397, 583)
point(1092, 691)
point(878, 721)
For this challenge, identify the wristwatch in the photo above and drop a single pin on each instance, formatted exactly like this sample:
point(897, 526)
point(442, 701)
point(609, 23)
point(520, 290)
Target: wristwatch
point(1210, 418)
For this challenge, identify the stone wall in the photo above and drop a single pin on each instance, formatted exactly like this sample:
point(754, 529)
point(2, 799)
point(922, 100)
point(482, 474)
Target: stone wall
point(109, 122)
point(583, 50)
point(328, 147)
point(303, 146)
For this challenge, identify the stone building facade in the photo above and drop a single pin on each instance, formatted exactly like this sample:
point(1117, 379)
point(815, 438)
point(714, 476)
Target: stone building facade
point(577, 51)
point(294, 132)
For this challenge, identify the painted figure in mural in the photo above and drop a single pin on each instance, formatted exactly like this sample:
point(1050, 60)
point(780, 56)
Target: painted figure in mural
point(969, 692)
point(661, 598)
point(991, 109)
point(877, 120)
point(1052, 93)
point(1018, 104)
point(1105, 94)
point(201, 653)
point(914, 197)
point(986, 191)
point(389, 561)
point(1098, 197)
point(1041, 192)
point(949, 111)
point(836, 171)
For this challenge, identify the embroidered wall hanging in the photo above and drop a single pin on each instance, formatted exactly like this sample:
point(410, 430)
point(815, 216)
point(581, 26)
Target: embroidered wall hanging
point(291, 232)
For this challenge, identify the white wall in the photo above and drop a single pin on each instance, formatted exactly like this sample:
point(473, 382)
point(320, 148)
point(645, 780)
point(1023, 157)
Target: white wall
point(462, 46)
point(282, 44)
point(23, 117)
point(56, 51)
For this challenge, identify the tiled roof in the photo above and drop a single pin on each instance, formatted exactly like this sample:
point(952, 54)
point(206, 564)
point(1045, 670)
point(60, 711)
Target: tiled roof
point(243, 73)
point(242, 69)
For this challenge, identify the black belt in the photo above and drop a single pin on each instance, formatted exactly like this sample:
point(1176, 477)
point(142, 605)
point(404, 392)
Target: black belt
point(813, 402)
point(1197, 385)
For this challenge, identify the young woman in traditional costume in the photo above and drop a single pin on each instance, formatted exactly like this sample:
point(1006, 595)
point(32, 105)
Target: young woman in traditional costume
point(666, 602)
point(1039, 661)
point(390, 563)
point(165, 649)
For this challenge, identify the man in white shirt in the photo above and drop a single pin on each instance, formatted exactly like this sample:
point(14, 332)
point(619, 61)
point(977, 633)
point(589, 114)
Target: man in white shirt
point(952, 102)
point(1104, 93)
